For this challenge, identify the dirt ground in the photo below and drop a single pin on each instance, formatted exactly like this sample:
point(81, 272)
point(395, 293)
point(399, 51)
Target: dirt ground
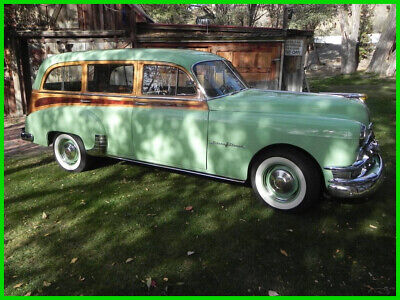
point(14, 146)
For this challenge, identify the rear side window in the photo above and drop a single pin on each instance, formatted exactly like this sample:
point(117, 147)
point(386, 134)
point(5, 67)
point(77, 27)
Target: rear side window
point(66, 78)
point(166, 81)
point(110, 78)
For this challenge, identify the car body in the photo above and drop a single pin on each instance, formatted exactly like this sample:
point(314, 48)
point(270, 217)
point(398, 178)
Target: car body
point(192, 111)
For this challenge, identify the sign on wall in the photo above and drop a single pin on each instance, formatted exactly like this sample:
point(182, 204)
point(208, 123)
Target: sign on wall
point(294, 47)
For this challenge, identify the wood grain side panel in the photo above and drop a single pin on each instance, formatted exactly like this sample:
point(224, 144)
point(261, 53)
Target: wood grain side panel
point(47, 101)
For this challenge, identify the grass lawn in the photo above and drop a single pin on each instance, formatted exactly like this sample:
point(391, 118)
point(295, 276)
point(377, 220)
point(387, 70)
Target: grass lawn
point(109, 230)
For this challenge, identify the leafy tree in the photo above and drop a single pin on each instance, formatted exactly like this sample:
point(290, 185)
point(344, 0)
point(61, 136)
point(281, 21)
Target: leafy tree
point(23, 16)
point(169, 13)
point(275, 15)
point(365, 46)
point(310, 16)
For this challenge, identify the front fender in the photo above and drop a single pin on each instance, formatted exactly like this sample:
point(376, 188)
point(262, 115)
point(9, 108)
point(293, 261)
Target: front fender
point(69, 119)
point(235, 137)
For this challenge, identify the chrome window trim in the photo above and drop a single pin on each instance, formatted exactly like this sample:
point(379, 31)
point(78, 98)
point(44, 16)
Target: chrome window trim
point(199, 96)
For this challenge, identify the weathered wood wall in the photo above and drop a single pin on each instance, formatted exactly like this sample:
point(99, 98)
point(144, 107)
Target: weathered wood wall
point(256, 52)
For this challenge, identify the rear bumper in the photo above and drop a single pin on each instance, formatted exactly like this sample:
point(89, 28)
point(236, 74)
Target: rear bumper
point(359, 186)
point(26, 136)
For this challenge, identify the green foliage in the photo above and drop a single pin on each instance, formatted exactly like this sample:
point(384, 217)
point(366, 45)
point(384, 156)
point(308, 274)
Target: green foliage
point(310, 16)
point(365, 46)
point(23, 16)
point(169, 13)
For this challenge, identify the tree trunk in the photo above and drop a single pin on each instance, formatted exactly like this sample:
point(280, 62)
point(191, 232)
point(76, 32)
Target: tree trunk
point(383, 60)
point(349, 25)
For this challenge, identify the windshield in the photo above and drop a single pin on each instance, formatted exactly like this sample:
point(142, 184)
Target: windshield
point(217, 78)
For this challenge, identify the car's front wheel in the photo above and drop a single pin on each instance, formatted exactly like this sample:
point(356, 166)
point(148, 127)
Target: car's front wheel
point(70, 152)
point(286, 179)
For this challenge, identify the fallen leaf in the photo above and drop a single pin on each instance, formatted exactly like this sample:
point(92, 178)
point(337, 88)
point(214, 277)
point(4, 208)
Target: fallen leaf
point(372, 226)
point(45, 283)
point(188, 208)
point(180, 283)
point(290, 230)
point(284, 252)
point(74, 260)
point(18, 285)
point(148, 282)
point(46, 234)
point(165, 279)
point(190, 253)
point(272, 293)
point(28, 294)
point(128, 260)
point(337, 250)
point(81, 278)
point(44, 215)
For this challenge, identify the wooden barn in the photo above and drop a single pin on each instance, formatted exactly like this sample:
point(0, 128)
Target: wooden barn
point(270, 58)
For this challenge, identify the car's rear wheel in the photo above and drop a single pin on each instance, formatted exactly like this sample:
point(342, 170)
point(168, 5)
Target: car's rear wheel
point(286, 179)
point(70, 152)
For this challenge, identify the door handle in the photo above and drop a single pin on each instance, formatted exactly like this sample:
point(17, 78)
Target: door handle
point(140, 103)
point(85, 101)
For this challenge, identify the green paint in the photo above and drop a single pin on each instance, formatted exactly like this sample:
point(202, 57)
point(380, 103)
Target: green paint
point(221, 141)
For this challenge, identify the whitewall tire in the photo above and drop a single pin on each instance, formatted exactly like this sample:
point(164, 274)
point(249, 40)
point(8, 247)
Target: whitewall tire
point(70, 152)
point(286, 180)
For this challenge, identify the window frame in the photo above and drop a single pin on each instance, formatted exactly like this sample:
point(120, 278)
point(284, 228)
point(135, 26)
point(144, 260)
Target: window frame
point(111, 62)
point(59, 65)
point(197, 96)
point(137, 80)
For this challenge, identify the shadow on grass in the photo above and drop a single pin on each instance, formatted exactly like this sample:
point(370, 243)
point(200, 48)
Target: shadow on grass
point(240, 246)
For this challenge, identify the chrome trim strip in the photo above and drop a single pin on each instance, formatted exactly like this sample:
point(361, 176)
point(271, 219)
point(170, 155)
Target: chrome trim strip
point(168, 98)
point(178, 169)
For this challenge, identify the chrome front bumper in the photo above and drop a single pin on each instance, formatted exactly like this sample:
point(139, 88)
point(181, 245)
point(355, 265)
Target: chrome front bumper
point(361, 178)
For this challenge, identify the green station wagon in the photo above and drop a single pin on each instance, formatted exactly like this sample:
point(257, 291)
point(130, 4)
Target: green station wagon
point(192, 111)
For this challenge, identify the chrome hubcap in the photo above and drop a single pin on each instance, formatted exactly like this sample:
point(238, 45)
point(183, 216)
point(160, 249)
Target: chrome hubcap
point(69, 152)
point(281, 183)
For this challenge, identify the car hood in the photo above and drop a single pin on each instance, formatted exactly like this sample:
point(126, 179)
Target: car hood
point(278, 102)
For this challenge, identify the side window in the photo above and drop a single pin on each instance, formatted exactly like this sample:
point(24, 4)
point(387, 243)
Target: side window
point(186, 85)
point(166, 81)
point(67, 78)
point(110, 78)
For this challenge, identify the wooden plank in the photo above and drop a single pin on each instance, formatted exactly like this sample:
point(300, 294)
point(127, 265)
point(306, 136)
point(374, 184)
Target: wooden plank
point(26, 73)
point(80, 17)
point(89, 17)
point(55, 15)
point(73, 33)
point(95, 16)
point(119, 23)
point(101, 16)
point(133, 28)
point(113, 15)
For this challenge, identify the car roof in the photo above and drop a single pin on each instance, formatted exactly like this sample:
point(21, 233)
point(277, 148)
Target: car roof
point(183, 57)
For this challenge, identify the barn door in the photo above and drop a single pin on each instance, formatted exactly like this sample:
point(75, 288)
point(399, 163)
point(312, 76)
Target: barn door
point(260, 66)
